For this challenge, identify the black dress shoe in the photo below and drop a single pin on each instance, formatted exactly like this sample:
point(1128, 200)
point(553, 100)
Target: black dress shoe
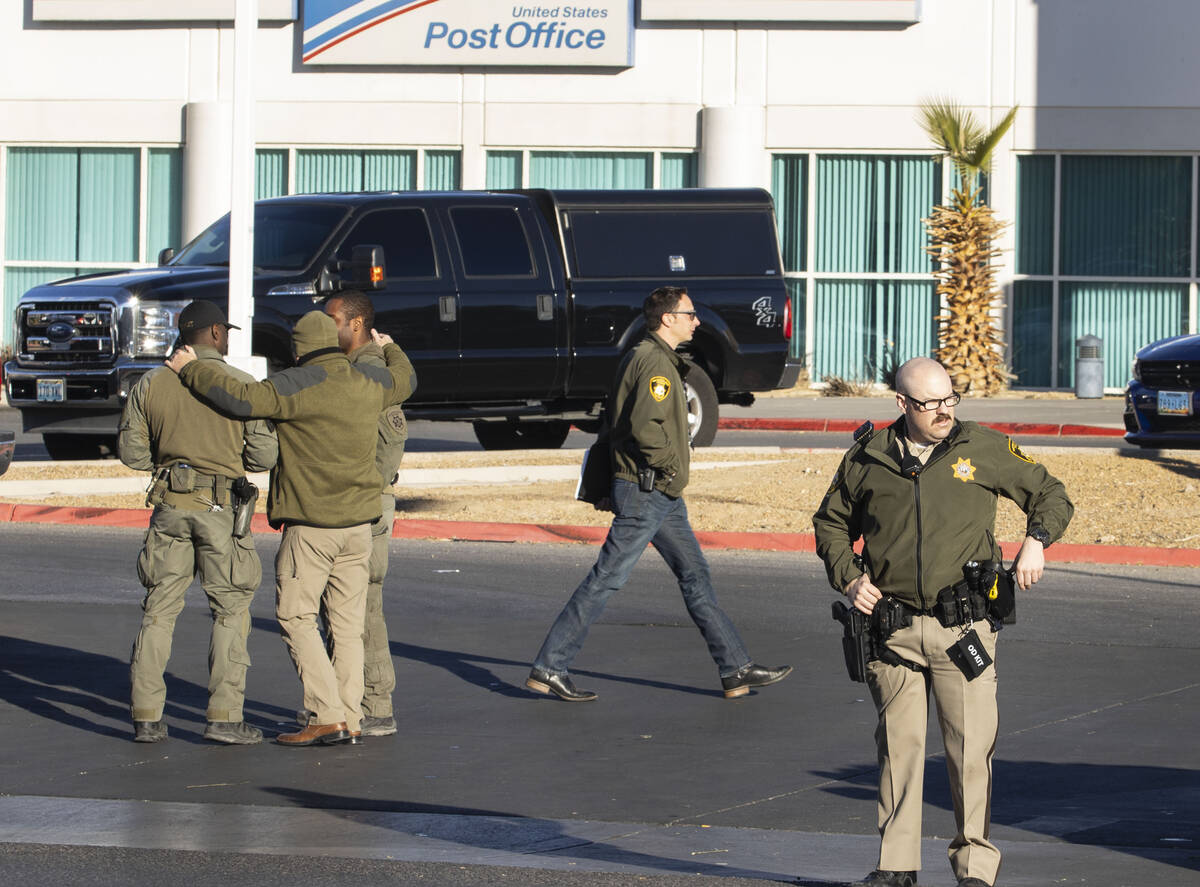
point(739, 683)
point(885, 878)
point(559, 685)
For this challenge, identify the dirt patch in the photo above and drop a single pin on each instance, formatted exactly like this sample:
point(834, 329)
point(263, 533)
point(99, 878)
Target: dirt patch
point(1134, 499)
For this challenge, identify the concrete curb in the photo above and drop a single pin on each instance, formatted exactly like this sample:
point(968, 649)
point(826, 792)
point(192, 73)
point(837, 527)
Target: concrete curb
point(472, 531)
point(1041, 429)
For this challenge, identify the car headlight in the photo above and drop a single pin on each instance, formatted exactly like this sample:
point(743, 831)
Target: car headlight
point(154, 327)
point(1135, 370)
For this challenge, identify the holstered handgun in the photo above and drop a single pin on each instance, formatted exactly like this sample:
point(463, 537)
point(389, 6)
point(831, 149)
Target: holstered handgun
point(245, 495)
point(857, 644)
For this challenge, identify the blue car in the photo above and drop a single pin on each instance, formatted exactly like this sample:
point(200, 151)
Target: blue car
point(1160, 402)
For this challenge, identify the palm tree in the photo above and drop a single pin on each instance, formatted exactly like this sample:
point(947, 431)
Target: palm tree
point(962, 234)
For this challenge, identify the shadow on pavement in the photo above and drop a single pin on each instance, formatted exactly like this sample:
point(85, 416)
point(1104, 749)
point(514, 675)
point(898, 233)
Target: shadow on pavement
point(472, 668)
point(499, 831)
point(57, 683)
point(1142, 811)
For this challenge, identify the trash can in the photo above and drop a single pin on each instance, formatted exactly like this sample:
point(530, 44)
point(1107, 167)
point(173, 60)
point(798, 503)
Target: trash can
point(1089, 367)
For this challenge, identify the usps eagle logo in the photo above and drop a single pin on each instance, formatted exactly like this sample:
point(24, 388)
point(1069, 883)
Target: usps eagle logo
point(964, 470)
point(660, 387)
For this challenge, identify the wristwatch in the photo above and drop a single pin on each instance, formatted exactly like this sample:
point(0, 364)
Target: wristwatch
point(1039, 533)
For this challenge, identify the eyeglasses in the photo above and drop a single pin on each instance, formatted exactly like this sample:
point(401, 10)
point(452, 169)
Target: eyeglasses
point(688, 313)
point(925, 406)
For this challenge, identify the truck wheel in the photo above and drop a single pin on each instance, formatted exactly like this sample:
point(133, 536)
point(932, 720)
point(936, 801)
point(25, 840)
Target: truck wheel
point(548, 435)
point(79, 446)
point(702, 407)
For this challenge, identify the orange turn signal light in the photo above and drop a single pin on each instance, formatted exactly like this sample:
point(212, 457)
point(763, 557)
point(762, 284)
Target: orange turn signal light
point(376, 274)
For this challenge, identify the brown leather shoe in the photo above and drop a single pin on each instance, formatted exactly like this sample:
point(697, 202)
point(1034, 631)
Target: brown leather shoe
point(316, 734)
point(356, 737)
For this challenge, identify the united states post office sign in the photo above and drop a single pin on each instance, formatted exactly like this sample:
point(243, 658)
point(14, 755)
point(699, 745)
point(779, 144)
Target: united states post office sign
point(585, 33)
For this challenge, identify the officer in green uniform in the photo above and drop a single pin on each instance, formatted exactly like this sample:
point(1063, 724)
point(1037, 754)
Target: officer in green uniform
point(651, 454)
point(195, 453)
point(922, 495)
point(354, 316)
point(325, 496)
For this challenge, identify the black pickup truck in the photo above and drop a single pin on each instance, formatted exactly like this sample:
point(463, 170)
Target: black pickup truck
point(513, 306)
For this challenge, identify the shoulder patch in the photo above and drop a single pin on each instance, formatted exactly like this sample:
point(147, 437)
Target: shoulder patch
point(660, 387)
point(1016, 451)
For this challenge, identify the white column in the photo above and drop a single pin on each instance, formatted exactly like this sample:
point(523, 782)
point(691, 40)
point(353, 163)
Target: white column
point(241, 192)
point(205, 165)
point(732, 151)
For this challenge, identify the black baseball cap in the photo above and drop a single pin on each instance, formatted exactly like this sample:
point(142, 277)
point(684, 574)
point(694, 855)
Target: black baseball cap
point(200, 314)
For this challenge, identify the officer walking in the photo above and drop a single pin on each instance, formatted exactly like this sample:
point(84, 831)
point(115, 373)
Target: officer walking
point(196, 453)
point(650, 455)
point(354, 316)
point(922, 495)
point(325, 495)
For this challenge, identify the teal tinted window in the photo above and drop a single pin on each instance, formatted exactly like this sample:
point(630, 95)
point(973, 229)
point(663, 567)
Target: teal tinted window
point(569, 169)
point(65, 204)
point(320, 171)
point(1035, 215)
point(789, 187)
point(270, 173)
point(869, 212)
point(164, 197)
point(866, 327)
point(1032, 332)
point(1124, 316)
point(1126, 216)
point(796, 291)
point(443, 170)
point(503, 169)
point(678, 171)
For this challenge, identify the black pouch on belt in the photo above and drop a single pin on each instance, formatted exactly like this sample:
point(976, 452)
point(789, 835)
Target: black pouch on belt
point(970, 657)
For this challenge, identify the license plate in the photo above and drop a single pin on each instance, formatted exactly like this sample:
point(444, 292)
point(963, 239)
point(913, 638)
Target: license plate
point(51, 390)
point(1175, 403)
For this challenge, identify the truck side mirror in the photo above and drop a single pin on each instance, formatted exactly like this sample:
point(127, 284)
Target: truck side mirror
point(166, 255)
point(367, 271)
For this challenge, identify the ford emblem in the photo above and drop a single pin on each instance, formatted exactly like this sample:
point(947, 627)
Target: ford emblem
point(60, 331)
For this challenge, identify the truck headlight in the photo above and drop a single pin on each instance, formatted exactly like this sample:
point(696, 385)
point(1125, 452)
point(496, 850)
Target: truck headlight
point(154, 327)
point(1135, 371)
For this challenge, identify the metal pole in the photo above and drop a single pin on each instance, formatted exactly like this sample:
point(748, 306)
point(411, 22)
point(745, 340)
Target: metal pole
point(241, 222)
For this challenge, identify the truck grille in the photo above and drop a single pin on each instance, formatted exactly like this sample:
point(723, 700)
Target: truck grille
point(1181, 374)
point(66, 333)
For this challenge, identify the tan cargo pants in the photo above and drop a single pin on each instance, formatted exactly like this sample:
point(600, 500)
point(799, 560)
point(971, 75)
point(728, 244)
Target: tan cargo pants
point(379, 676)
point(315, 565)
point(181, 545)
point(968, 720)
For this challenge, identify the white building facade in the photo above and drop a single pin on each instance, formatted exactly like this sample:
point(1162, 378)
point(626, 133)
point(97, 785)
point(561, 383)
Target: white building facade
point(115, 130)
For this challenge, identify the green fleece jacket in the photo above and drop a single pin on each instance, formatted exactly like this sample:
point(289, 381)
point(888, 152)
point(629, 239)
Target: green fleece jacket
point(918, 533)
point(163, 424)
point(326, 414)
point(393, 427)
point(648, 416)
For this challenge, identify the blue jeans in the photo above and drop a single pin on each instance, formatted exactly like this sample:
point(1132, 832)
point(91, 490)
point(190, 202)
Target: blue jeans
point(641, 519)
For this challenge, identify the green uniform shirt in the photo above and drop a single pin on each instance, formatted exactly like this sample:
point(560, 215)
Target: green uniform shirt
point(918, 533)
point(164, 424)
point(648, 415)
point(393, 429)
point(326, 413)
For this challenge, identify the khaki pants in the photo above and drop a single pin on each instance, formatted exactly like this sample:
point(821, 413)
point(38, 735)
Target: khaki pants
point(968, 720)
point(181, 545)
point(379, 675)
point(316, 565)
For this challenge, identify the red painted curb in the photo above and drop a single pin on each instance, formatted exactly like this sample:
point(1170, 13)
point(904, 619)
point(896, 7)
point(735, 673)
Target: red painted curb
point(1041, 429)
point(479, 531)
